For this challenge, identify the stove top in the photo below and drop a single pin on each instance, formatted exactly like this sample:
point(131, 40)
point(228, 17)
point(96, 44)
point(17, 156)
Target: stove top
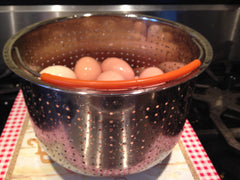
point(215, 115)
point(9, 87)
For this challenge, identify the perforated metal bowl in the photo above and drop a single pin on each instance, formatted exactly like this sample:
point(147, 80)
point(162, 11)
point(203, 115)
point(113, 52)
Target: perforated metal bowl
point(105, 132)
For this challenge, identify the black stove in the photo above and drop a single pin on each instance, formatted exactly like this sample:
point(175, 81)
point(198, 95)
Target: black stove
point(9, 87)
point(215, 116)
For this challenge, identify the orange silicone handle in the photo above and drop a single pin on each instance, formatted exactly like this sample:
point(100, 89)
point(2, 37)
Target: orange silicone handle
point(76, 83)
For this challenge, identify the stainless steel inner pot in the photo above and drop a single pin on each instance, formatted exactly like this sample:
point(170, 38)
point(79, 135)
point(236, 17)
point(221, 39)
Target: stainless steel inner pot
point(104, 132)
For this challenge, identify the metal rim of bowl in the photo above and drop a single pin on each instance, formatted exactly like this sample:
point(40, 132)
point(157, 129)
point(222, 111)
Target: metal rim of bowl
point(198, 39)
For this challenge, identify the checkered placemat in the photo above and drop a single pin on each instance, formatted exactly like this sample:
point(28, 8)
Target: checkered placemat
point(11, 133)
point(196, 153)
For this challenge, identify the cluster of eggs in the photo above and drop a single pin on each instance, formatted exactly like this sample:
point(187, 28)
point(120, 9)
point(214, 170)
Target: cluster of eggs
point(111, 69)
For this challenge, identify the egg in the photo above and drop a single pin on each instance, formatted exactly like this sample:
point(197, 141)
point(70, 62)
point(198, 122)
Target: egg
point(110, 76)
point(150, 71)
point(59, 70)
point(118, 65)
point(87, 68)
point(171, 65)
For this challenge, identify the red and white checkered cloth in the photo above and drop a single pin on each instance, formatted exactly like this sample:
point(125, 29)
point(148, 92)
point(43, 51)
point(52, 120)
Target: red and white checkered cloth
point(198, 155)
point(12, 129)
point(11, 133)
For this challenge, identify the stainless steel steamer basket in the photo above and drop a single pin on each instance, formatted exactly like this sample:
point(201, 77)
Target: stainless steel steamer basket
point(104, 132)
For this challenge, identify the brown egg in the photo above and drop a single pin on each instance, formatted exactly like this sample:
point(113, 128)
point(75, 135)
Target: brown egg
point(110, 76)
point(87, 68)
point(151, 71)
point(118, 65)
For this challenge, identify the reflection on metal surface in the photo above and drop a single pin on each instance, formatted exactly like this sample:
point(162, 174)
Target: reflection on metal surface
point(125, 8)
point(12, 20)
point(120, 8)
point(235, 36)
point(206, 19)
point(87, 14)
point(55, 8)
point(235, 22)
